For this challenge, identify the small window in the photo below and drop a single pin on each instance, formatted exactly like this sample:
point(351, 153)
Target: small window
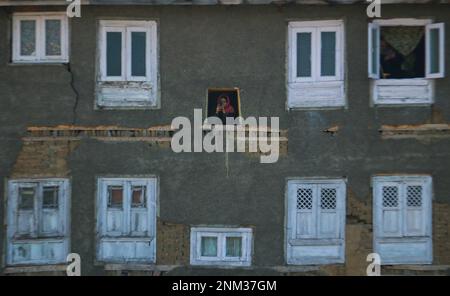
point(26, 198)
point(138, 198)
point(221, 246)
point(403, 55)
point(50, 197)
point(316, 63)
point(315, 221)
point(115, 196)
point(402, 219)
point(126, 219)
point(40, 38)
point(38, 221)
point(127, 76)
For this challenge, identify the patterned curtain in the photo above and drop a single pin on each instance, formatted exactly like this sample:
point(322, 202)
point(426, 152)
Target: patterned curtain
point(403, 39)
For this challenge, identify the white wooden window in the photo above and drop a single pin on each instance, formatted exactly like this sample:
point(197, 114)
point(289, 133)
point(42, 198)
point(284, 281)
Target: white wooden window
point(38, 221)
point(126, 219)
point(315, 231)
point(402, 219)
point(402, 65)
point(316, 64)
point(40, 38)
point(221, 246)
point(128, 64)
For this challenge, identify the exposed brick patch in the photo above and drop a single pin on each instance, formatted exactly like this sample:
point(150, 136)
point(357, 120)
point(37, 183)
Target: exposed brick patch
point(43, 159)
point(358, 211)
point(173, 241)
point(420, 131)
point(441, 233)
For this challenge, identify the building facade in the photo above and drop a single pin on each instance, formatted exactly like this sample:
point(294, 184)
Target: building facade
point(86, 106)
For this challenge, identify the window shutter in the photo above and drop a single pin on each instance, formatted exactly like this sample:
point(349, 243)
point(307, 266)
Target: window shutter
point(115, 218)
point(26, 201)
point(305, 214)
point(391, 210)
point(374, 51)
point(415, 220)
point(435, 50)
point(139, 213)
point(50, 203)
point(328, 218)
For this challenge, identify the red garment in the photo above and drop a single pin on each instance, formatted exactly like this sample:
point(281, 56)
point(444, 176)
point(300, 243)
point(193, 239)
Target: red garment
point(228, 108)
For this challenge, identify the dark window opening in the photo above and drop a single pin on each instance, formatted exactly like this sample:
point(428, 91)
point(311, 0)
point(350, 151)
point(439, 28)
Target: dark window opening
point(402, 52)
point(50, 197)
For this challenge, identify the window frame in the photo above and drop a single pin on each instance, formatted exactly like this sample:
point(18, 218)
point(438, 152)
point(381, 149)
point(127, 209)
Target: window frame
point(316, 240)
point(402, 87)
point(315, 91)
point(38, 235)
point(221, 233)
point(126, 28)
point(40, 37)
point(403, 236)
point(316, 28)
point(127, 235)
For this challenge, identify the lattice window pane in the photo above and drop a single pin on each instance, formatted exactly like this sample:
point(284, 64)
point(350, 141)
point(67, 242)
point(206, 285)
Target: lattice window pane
point(328, 198)
point(304, 198)
point(390, 196)
point(414, 196)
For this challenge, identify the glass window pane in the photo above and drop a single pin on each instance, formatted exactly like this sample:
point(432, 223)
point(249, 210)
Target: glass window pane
point(53, 37)
point(303, 54)
point(138, 197)
point(328, 54)
point(114, 54)
point(209, 246)
point(138, 53)
point(374, 57)
point(50, 197)
point(434, 51)
point(234, 246)
point(115, 196)
point(28, 38)
point(26, 198)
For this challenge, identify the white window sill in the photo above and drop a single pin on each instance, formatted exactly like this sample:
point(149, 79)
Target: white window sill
point(316, 95)
point(126, 95)
point(401, 92)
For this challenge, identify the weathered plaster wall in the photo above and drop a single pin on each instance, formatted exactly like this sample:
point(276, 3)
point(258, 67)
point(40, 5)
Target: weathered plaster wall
point(203, 47)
